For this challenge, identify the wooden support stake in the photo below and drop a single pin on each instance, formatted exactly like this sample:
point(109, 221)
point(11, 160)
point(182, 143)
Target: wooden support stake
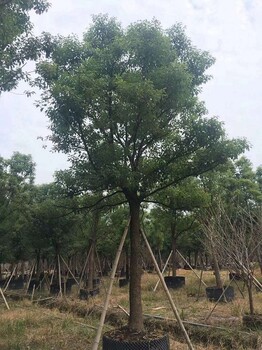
point(44, 299)
point(33, 292)
point(112, 277)
point(240, 290)
point(221, 296)
point(51, 279)
point(6, 304)
point(164, 268)
point(69, 270)
point(98, 262)
point(124, 310)
point(30, 277)
point(173, 306)
point(12, 274)
point(59, 276)
point(199, 286)
point(191, 268)
point(84, 268)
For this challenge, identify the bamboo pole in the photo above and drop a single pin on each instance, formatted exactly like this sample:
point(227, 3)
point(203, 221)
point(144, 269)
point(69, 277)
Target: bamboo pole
point(221, 296)
point(44, 299)
point(59, 275)
point(173, 306)
point(84, 268)
point(240, 291)
point(12, 274)
point(254, 279)
point(46, 279)
point(69, 269)
point(186, 322)
point(33, 292)
point(124, 310)
point(6, 304)
point(195, 324)
point(30, 277)
point(191, 268)
point(52, 277)
point(112, 277)
point(98, 262)
point(199, 286)
point(100, 270)
point(164, 268)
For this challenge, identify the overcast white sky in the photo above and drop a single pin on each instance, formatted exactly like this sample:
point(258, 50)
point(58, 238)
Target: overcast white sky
point(231, 30)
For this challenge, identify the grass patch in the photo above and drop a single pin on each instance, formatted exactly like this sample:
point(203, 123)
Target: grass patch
point(30, 327)
point(66, 325)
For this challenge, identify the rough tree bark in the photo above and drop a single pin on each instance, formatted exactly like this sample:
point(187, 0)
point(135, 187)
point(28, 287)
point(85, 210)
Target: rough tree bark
point(136, 315)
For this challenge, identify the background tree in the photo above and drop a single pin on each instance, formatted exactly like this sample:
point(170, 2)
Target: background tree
point(113, 223)
point(17, 44)
point(176, 208)
point(16, 195)
point(123, 104)
point(54, 226)
point(234, 186)
point(236, 235)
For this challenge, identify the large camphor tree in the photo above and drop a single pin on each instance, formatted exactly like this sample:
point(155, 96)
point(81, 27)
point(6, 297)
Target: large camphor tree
point(123, 104)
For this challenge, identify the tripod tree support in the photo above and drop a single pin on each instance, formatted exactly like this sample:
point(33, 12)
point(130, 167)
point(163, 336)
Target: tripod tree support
point(164, 269)
point(173, 306)
point(191, 268)
point(112, 277)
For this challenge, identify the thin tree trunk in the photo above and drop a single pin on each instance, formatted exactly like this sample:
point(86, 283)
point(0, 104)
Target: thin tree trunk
point(159, 259)
point(91, 267)
point(250, 295)
point(174, 244)
point(219, 282)
point(91, 263)
point(37, 267)
point(189, 257)
point(136, 315)
point(23, 269)
point(174, 256)
point(59, 275)
point(127, 263)
point(196, 258)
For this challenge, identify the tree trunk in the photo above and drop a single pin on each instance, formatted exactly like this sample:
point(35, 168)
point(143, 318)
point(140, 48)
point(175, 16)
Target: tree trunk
point(250, 295)
point(174, 244)
point(38, 259)
point(136, 315)
point(189, 257)
point(219, 282)
point(159, 259)
point(127, 263)
point(91, 265)
point(57, 267)
point(174, 256)
point(196, 258)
